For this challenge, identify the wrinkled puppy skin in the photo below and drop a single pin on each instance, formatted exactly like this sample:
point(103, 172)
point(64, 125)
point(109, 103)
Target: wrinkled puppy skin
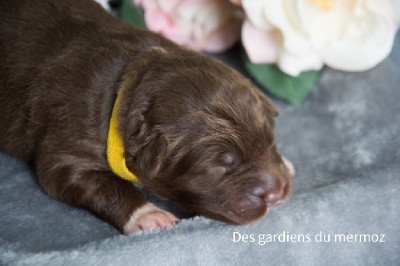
point(195, 131)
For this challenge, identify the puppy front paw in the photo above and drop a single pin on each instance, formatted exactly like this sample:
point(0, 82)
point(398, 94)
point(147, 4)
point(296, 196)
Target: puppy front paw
point(149, 217)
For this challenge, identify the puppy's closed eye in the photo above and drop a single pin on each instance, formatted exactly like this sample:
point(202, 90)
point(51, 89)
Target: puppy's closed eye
point(229, 158)
point(217, 171)
point(227, 162)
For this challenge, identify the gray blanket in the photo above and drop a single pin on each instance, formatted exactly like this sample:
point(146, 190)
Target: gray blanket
point(345, 144)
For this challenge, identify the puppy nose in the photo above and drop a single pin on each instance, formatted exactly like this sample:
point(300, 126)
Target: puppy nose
point(270, 197)
point(274, 197)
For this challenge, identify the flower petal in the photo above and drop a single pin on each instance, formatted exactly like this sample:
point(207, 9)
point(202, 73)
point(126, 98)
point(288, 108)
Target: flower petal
point(368, 40)
point(211, 25)
point(255, 13)
point(222, 38)
point(169, 6)
point(293, 64)
point(157, 21)
point(261, 46)
point(282, 14)
point(324, 26)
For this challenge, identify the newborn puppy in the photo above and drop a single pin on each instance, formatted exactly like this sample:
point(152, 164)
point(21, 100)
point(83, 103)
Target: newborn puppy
point(191, 129)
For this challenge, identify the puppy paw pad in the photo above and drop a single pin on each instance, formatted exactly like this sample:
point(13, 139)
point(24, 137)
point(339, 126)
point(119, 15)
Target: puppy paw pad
point(156, 219)
point(149, 217)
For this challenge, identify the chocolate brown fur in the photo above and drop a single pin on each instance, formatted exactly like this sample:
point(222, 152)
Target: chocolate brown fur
point(195, 131)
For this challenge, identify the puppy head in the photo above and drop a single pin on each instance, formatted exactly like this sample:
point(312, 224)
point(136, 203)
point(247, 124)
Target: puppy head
point(197, 133)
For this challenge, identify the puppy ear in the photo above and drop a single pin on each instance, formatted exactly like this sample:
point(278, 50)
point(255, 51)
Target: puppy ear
point(144, 144)
point(151, 157)
point(145, 148)
point(270, 107)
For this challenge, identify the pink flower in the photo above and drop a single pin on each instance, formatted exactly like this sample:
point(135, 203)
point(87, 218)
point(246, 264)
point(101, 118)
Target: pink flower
point(207, 25)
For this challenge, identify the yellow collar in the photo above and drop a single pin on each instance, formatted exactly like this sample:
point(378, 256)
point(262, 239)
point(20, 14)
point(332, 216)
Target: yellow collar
point(115, 147)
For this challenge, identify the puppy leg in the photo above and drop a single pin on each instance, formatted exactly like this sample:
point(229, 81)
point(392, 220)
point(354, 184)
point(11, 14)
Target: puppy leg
point(83, 183)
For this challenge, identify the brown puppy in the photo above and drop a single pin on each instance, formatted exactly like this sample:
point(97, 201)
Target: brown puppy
point(194, 131)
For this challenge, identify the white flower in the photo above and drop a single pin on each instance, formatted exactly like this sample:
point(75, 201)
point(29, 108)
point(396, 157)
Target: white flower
point(300, 35)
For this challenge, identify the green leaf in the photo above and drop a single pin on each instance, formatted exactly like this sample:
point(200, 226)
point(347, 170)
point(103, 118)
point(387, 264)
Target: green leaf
point(292, 89)
point(132, 14)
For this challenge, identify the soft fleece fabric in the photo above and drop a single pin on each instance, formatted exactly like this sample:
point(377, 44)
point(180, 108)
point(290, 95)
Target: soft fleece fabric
point(345, 144)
